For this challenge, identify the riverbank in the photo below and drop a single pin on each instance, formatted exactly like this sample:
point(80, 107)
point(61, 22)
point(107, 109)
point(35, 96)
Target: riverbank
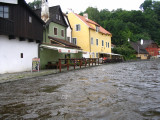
point(8, 77)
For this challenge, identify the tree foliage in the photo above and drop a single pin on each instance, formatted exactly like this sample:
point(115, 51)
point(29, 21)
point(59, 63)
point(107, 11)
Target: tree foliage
point(36, 4)
point(136, 25)
point(125, 50)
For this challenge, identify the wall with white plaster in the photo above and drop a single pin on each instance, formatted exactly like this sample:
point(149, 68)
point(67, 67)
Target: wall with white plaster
point(10, 55)
point(10, 1)
point(69, 30)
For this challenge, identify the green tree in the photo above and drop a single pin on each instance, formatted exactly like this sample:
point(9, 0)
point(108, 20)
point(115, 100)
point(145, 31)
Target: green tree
point(93, 14)
point(146, 5)
point(36, 4)
point(125, 50)
point(135, 24)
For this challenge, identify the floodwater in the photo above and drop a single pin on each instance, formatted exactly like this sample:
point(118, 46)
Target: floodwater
point(122, 91)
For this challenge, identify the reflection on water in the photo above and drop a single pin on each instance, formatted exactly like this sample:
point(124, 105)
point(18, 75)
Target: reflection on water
point(123, 91)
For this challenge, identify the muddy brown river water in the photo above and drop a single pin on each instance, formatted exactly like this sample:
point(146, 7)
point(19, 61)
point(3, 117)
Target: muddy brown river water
point(122, 91)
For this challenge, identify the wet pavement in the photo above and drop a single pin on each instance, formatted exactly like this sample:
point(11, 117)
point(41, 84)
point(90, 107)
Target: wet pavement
point(122, 91)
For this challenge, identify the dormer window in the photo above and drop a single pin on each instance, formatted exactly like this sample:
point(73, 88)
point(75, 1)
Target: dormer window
point(4, 11)
point(58, 17)
point(97, 29)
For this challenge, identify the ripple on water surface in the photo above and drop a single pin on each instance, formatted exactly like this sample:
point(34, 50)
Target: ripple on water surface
point(123, 91)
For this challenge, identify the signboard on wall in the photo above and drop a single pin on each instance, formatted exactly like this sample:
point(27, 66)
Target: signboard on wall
point(35, 64)
point(10, 1)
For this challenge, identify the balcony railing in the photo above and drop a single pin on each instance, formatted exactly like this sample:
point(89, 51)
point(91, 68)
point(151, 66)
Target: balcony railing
point(6, 26)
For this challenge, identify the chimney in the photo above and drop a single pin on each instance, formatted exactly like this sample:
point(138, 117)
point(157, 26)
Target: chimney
point(85, 15)
point(141, 41)
point(45, 11)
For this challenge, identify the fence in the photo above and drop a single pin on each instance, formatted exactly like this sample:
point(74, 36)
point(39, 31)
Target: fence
point(77, 62)
point(86, 62)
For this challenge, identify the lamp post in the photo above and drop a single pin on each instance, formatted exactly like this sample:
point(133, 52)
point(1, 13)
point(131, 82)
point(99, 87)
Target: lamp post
point(138, 51)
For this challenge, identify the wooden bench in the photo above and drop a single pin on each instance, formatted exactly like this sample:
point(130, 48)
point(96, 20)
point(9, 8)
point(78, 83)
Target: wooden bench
point(52, 65)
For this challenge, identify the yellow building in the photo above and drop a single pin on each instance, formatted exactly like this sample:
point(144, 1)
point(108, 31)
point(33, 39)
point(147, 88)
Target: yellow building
point(90, 36)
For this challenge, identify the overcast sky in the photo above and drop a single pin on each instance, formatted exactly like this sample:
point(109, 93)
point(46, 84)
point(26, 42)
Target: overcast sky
point(80, 5)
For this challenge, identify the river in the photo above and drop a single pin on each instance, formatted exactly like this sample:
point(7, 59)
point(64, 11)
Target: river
point(122, 91)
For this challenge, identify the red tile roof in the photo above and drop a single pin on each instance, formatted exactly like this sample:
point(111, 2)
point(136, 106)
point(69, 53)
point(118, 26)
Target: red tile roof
point(88, 21)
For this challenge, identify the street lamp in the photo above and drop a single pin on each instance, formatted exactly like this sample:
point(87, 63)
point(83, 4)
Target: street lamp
point(138, 50)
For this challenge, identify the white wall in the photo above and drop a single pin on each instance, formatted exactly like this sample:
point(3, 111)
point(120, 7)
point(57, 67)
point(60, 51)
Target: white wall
point(10, 55)
point(69, 30)
point(10, 1)
point(86, 55)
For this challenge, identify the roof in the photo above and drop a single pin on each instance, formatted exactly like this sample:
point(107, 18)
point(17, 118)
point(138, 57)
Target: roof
point(52, 13)
point(88, 21)
point(29, 8)
point(63, 43)
point(146, 43)
point(138, 48)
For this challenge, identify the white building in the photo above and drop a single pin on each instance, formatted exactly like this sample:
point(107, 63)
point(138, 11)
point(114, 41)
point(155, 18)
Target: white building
point(15, 55)
point(20, 35)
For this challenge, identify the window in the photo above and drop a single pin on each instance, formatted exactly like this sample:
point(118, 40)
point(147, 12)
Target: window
point(74, 41)
point(78, 27)
point(58, 17)
point(96, 55)
point(30, 19)
point(102, 43)
point(96, 41)
point(55, 31)
point(4, 11)
point(91, 41)
point(21, 55)
point(97, 29)
point(106, 44)
point(68, 39)
point(62, 33)
point(93, 56)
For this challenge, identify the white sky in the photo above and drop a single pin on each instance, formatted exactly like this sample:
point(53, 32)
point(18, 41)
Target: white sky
point(80, 5)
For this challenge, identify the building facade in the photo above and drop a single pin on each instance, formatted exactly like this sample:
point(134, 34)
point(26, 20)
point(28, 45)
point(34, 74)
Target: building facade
point(140, 52)
point(90, 36)
point(55, 45)
point(151, 47)
point(21, 31)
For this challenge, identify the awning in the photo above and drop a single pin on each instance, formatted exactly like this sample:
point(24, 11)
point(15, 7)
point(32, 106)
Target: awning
point(110, 54)
point(60, 49)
